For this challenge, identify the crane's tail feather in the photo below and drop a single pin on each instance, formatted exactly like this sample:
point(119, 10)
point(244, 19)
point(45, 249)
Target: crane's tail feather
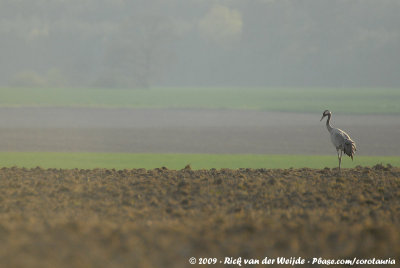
point(349, 148)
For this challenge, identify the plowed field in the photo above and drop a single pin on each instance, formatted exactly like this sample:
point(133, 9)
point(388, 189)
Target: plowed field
point(161, 218)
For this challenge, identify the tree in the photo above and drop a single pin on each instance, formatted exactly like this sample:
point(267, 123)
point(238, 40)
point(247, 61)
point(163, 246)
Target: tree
point(138, 53)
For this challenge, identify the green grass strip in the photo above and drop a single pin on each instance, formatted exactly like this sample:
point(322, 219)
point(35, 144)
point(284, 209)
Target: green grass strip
point(179, 161)
point(339, 100)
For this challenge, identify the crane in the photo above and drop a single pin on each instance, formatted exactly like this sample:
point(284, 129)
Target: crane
point(340, 139)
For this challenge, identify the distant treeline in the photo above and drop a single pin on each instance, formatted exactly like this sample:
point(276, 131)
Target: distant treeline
point(140, 43)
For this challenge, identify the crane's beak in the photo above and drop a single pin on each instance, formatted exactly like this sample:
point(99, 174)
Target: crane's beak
point(322, 117)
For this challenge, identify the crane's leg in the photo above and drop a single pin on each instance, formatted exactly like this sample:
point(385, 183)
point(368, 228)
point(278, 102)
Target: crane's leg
point(340, 158)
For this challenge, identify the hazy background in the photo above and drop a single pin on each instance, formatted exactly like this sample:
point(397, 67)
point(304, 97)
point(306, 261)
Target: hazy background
point(228, 69)
point(144, 43)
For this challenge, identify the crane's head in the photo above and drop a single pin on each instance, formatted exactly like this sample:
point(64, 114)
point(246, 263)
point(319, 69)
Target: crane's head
point(325, 113)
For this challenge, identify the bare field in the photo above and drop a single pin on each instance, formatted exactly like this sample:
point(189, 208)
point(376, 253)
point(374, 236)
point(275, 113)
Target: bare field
point(190, 131)
point(161, 218)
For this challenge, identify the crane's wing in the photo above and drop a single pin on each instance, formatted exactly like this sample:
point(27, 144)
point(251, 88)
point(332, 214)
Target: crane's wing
point(337, 138)
point(342, 140)
point(349, 147)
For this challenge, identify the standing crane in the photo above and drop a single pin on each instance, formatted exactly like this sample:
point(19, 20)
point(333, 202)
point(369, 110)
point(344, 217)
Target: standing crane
point(340, 139)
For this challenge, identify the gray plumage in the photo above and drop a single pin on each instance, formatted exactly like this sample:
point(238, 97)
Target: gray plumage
point(340, 139)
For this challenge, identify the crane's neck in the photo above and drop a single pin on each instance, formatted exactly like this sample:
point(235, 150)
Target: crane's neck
point(328, 124)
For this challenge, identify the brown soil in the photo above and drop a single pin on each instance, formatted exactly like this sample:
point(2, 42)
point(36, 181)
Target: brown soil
point(161, 218)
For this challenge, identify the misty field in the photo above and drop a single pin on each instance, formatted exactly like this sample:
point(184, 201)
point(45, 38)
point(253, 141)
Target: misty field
point(115, 178)
point(341, 100)
point(161, 217)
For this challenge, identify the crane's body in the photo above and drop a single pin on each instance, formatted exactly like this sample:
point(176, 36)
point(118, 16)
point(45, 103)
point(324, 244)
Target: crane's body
point(340, 139)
